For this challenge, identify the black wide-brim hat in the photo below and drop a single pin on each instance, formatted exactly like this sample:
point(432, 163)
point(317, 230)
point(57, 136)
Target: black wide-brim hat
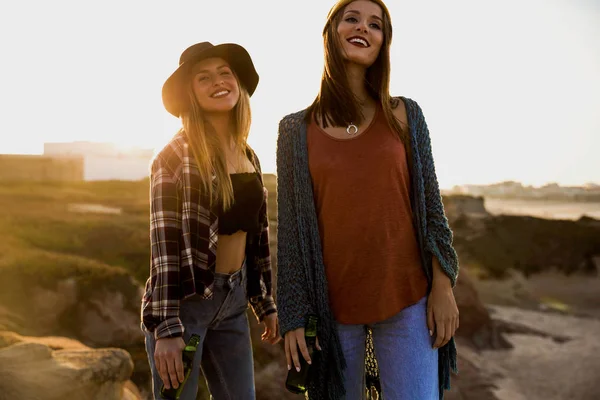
point(174, 93)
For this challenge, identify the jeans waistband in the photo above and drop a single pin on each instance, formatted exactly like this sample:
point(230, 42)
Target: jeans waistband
point(231, 280)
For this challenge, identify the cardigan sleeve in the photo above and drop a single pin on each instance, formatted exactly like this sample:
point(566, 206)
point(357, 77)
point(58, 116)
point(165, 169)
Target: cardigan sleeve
point(438, 241)
point(292, 289)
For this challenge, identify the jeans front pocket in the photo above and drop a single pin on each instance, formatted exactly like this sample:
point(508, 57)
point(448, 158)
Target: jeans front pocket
point(196, 312)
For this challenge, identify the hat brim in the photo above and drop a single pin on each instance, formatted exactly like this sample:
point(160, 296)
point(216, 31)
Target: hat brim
point(173, 91)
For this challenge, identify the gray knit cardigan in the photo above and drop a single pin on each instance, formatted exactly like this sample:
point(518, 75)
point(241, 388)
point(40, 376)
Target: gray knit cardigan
point(301, 279)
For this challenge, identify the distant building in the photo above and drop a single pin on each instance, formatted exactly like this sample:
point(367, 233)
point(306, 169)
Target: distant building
point(458, 205)
point(550, 191)
point(17, 167)
point(104, 161)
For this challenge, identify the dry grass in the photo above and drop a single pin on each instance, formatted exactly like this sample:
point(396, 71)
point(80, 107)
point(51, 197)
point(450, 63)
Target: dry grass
point(44, 243)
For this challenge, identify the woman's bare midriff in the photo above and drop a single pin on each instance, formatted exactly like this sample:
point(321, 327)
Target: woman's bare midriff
point(231, 252)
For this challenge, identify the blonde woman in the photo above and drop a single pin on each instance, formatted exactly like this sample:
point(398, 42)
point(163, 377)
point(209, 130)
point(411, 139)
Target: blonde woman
point(208, 230)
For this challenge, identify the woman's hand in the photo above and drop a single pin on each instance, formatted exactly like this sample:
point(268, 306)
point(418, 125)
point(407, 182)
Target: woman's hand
point(442, 313)
point(271, 333)
point(169, 361)
point(293, 341)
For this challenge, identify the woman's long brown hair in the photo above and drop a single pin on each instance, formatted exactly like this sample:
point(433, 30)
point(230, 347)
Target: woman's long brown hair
point(335, 104)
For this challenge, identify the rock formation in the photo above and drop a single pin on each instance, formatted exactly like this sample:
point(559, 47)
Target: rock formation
point(55, 368)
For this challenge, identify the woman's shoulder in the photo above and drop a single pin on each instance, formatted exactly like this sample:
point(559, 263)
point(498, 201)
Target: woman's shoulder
point(172, 153)
point(406, 109)
point(403, 104)
point(253, 157)
point(399, 109)
point(292, 121)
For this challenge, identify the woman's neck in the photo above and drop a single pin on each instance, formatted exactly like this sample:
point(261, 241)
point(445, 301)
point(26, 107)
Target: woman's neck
point(356, 80)
point(223, 125)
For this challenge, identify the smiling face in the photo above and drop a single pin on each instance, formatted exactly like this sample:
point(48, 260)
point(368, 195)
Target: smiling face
point(215, 85)
point(360, 32)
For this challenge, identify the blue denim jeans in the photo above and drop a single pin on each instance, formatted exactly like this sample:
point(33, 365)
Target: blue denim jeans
point(225, 353)
point(408, 365)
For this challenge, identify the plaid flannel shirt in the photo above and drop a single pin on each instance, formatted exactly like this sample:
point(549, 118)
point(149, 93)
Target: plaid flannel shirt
point(183, 237)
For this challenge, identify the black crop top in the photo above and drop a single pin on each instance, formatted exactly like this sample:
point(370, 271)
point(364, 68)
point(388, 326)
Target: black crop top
point(244, 212)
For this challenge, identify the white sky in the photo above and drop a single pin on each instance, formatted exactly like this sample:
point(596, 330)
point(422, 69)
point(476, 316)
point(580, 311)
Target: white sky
point(510, 90)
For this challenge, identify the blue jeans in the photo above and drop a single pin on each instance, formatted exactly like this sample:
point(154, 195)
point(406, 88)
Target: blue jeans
point(225, 350)
point(408, 365)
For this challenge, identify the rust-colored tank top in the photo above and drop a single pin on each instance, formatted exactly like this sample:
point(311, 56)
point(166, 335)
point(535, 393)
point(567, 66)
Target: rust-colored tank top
point(362, 197)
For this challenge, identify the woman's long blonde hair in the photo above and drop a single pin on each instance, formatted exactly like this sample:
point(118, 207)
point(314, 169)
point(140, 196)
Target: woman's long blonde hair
point(208, 148)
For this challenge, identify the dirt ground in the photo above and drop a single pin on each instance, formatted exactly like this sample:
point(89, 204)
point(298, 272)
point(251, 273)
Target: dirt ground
point(561, 361)
point(541, 368)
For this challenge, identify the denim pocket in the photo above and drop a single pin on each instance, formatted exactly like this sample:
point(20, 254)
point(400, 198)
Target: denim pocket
point(196, 312)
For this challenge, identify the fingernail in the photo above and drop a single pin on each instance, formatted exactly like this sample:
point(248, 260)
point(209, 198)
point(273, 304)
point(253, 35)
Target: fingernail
point(309, 362)
point(430, 332)
point(289, 367)
point(298, 369)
